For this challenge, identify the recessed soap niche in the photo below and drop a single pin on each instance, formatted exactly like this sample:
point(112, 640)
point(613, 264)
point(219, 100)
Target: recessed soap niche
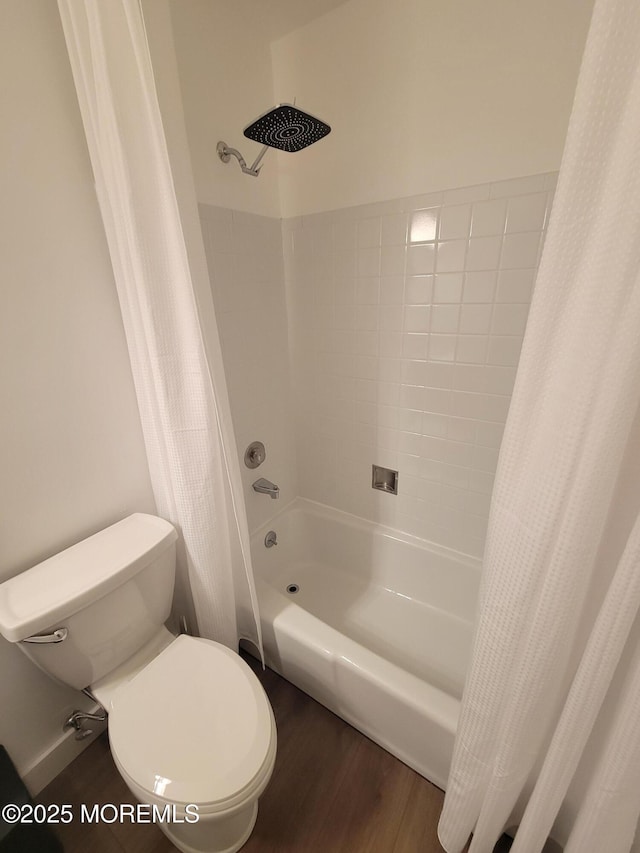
point(384, 479)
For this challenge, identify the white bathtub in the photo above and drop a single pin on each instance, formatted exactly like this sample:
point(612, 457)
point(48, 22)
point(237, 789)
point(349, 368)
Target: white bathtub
point(379, 630)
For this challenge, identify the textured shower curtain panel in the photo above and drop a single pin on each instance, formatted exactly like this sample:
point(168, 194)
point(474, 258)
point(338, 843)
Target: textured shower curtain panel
point(555, 673)
point(184, 409)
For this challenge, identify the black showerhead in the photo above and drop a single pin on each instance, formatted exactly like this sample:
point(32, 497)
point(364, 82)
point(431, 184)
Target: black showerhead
point(284, 127)
point(287, 128)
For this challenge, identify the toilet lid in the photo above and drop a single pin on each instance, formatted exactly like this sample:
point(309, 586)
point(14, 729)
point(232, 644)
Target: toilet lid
point(194, 726)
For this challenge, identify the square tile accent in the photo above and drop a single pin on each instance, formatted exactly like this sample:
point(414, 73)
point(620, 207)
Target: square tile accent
point(520, 250)
point(448, 287)
point(484, 253)
point(423, 225)
point(451, 256)
point(454, 222)
point(420, 259)
point(488, 218)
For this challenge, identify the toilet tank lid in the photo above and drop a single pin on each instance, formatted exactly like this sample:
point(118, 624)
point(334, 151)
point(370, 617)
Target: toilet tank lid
point(53, 590)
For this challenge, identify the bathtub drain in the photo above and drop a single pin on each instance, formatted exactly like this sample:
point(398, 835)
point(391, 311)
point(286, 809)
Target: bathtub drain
point(293, 587)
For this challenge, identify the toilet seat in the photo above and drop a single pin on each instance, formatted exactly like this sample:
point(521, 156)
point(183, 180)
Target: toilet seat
point(194, 726)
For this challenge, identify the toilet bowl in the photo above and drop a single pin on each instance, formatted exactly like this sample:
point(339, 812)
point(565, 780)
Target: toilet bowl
point(190, 727)
point(193, 727)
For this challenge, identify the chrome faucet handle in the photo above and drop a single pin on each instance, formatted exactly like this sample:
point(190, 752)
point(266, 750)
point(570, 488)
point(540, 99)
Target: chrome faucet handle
point(255, 454)
point(270, 539)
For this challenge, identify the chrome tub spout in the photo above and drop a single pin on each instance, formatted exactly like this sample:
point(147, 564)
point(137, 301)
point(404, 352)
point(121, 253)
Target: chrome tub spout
point(266, 487)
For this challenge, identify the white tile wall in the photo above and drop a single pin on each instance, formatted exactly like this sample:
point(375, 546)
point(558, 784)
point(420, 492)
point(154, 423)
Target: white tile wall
point(406, 320)
point(244, 253)
point(398, 329)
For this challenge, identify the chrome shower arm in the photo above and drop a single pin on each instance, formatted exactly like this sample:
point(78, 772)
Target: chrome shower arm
point(225, 153)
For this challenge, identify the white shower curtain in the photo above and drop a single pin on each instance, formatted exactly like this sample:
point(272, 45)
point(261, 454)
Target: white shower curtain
point(552, 700)
point(182, 394)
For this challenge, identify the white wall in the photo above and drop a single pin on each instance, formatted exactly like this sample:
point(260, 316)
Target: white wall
point(226, 80)
point(244, 252)
point(72, 455)
point(425, 95)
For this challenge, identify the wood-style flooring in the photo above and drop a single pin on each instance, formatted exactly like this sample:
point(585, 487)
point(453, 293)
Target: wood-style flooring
point(332, 791)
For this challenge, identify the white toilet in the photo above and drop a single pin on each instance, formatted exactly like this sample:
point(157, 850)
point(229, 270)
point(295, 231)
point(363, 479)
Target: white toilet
point(189, 722)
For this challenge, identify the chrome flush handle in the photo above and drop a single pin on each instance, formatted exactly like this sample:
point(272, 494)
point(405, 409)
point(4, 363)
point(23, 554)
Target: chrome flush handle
point(58, 636)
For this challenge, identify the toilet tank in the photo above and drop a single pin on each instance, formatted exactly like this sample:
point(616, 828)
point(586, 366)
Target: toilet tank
point(111, 593)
